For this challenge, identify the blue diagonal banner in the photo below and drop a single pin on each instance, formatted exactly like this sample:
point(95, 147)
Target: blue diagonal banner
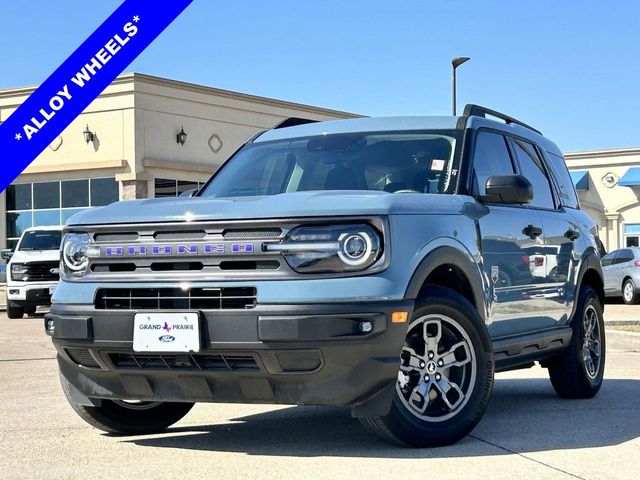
point(80, 79)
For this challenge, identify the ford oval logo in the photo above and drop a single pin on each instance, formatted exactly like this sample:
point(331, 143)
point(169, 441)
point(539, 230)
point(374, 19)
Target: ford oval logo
point(167, 338)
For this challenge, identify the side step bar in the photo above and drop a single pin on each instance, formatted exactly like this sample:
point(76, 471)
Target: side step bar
point(519, 351)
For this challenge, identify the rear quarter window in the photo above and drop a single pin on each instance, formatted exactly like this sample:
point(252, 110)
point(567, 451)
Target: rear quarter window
point(566, 190)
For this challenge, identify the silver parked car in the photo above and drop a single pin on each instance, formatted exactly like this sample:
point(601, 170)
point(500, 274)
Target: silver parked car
point(621, 270)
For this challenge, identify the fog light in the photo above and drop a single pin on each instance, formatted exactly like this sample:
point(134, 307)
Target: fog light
point(50, 326)
point(366, 326)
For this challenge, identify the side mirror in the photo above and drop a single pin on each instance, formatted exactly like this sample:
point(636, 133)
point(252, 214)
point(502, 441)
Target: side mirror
point(6, 254)
point(188, 193)
point(507, 189)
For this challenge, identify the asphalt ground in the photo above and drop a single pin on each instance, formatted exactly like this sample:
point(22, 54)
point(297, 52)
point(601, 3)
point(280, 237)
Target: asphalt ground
point(527, 432)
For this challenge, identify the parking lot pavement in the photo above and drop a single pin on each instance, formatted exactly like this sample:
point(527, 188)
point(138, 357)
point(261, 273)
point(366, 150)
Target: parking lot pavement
point(616, 311)
point(527, 432)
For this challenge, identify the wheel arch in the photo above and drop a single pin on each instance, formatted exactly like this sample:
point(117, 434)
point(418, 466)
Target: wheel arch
point(449, 267)
point(591, 274)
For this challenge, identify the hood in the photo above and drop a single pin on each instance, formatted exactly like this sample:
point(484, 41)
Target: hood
point(26, 256)
point(286, 205)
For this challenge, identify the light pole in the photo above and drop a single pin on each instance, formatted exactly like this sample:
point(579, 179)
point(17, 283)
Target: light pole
point(455, 63)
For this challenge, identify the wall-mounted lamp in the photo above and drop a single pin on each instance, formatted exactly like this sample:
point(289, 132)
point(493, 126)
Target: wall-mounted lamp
point(88, 134)
point(181, 137)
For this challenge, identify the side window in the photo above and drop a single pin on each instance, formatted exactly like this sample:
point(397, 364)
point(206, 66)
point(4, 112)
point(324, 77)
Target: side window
point(624, 256)
point(491, 157)
point(566, 189)
point(531, 167)
point(608, 259)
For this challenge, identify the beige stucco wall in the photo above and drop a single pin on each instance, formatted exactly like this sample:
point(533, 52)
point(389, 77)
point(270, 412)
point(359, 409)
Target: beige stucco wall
point(609, 204)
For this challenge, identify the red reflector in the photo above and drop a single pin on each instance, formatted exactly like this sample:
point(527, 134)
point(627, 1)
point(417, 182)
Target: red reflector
point(637, 263)
point(525, 259)
point(539, 261)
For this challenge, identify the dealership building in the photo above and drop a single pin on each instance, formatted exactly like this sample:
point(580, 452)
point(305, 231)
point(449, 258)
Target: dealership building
point(127, 144)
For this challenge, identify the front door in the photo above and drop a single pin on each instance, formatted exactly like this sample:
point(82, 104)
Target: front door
point(511, 240)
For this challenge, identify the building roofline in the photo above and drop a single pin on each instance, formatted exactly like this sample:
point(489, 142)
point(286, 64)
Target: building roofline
point(612, 152)
point(134, 77)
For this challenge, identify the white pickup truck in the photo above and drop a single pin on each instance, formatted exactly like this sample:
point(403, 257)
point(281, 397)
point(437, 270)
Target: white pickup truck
point(33, 270)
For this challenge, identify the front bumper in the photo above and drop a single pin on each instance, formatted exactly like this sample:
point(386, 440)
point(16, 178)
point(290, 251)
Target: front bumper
point(314, 354)
point(30, 294)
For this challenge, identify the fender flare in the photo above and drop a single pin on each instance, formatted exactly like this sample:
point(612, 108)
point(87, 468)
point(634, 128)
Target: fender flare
point(450, 255)
point(591, 261)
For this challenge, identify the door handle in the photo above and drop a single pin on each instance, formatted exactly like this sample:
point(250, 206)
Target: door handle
point(531, 231)
point(572, 234)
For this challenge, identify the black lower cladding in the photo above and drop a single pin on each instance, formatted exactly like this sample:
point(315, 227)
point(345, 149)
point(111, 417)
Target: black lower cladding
point(34, 298)
point(329, 354)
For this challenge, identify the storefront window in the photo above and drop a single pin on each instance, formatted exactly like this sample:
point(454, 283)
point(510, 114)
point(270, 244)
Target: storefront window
point(632, 234)
point(53, 203)
point(46, 195)
point(75, 193)
point(172, 188)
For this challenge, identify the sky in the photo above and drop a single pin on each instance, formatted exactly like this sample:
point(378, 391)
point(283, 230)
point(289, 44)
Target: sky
point(569, 68)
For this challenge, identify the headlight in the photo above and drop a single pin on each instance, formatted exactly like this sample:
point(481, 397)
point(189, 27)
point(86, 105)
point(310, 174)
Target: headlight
point(18, 271)
point(327, 249)
point(74, 253)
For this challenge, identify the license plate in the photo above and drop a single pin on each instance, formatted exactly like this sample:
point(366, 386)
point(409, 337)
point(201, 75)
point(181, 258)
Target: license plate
point(166, 332)
point(52, 289)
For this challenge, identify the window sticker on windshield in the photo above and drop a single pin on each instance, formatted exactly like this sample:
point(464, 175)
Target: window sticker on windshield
point(437, 165)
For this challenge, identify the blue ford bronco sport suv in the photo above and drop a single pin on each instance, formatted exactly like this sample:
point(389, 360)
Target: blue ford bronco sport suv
point(391, 265)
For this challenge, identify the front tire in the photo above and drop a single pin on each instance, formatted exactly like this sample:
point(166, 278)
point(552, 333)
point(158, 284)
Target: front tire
point(629, 294)
point(30, 310)
point(14, 311)
point(126, 417)
point(445, 378)
point(578, 371)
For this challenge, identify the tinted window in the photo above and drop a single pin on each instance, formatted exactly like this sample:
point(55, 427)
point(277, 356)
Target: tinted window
point(19, 197)
point(46, 195)
point(17, 222)
point(75, 193)
point(103, 191)
point(40, 240)
point(608, 259)
point(491, 157)
point(623, 256)
point(532, 169)
point(566, 188)
point(46, 217)
point(184, 186)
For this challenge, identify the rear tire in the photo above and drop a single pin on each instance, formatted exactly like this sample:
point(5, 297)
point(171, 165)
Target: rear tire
point(128, 418)
point(14, 311)
point(578, 371)
point(445, 378)
point(629, 293)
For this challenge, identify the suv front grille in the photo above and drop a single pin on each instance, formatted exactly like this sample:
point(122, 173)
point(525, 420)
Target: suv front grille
point(231, 298)
point(41, 271)
point(211, 362)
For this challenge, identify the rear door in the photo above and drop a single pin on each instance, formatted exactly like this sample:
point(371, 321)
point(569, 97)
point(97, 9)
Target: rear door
point(608, 270)
point(511, 237)
point(623, 267)
point(556, 267)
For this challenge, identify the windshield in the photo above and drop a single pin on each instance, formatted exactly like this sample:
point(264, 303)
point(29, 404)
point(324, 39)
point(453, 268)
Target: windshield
point(390, 162)
point(40, 240)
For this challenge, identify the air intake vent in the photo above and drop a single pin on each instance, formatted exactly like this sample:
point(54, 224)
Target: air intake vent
point(82, 357)
point(231, 298)
point(254, 233)
point(214, 362)
point(183, 235)
point(116, 237)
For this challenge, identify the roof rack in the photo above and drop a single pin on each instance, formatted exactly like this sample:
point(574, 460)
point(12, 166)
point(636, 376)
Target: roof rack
point(471, 110)
point(292, 122)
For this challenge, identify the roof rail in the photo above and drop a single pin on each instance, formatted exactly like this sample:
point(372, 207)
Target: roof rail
point(471, 110)
point(292, 122)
